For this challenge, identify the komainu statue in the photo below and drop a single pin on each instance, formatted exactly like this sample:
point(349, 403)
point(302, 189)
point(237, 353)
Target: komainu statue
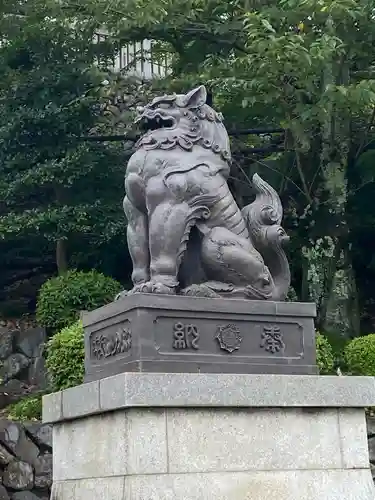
point(186, 234)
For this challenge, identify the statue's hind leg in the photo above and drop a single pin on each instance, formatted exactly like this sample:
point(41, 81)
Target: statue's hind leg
point(231, 259)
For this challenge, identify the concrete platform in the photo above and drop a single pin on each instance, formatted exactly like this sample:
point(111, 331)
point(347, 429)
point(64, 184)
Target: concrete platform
point(205, 437)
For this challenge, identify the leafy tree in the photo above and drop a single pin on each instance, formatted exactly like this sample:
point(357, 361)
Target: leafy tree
point(53, 184)
point(307, 66)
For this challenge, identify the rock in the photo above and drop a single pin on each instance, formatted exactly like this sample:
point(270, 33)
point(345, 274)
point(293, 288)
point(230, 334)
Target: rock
point(6, 342)
point(12, 392)
point(3, 493)
point(18, 476)
point(14, 365)
point(26, 449)
point(24, 495)
point(31, 341)
point(371, 449)
point(37, 374)
point(10, 434)
point(14, 437)
point(5, 456)
point(41, 434)
point(370, 426)
point(44, 435)
point(43, 471)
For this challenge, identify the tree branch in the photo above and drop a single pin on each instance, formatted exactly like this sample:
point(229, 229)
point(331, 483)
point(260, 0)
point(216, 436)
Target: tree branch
point(303, 178)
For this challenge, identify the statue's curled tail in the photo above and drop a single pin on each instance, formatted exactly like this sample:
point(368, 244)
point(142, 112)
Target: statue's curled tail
point(263, 219)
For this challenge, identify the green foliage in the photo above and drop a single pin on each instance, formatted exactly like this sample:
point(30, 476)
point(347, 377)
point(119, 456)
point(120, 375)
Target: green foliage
point(359, 355)
point(292, 295)
point(62, 298)
point(324, 355)
point(54, 186)
point(65, 357)
point(305, 66)
point(29, 408)
point(337, 341)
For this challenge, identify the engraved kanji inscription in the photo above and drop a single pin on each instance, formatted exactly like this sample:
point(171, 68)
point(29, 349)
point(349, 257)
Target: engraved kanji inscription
point(272, 339)
point(229, 337)
point(111, 344)
point(185, 336)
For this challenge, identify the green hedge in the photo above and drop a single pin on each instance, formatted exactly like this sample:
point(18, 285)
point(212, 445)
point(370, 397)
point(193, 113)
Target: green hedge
point(29, 408)
point(325, 358)
point(359, 356)
point(65, 356)
point(62, 298)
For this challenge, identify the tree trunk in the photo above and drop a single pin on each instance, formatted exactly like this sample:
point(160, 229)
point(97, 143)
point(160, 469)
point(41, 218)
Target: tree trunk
point(61, 244)
point(334, 161)
point(342, 309)
point(61, 256)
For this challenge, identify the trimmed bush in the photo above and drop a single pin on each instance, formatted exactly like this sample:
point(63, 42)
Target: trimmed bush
point(292, 295)
point(62, 298)
point(65, 355)
point(325, 358)
point(359, 355)
point(29, 408)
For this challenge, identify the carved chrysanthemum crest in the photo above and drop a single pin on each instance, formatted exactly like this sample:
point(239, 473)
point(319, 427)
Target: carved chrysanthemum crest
point(229, 337)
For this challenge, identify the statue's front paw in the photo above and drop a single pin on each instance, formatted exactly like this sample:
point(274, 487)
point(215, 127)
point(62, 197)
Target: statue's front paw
point(140, 288)
point(162, 289)
point(148, 287)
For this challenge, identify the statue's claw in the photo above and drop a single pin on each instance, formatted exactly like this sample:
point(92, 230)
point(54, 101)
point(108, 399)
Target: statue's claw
point(199, 291)
point(140, 288)
point(161, 288)
point(148, 287)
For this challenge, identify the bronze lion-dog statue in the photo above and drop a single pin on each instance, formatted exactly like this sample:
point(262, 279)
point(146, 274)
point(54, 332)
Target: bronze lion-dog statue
point(186, 233)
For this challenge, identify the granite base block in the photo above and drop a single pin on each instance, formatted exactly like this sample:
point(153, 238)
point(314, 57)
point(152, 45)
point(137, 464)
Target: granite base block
point(190, 452)
point(249, 485)
point(155, 333)
point(207, 390)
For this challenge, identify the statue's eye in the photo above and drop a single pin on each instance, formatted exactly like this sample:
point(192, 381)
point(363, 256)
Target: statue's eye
point(164, 105)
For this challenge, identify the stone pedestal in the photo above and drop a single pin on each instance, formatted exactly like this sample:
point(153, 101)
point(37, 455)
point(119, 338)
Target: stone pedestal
point(139, 436)
point(162, 333)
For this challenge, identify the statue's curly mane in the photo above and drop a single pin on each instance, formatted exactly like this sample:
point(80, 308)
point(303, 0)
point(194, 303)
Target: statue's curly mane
point(195, 125)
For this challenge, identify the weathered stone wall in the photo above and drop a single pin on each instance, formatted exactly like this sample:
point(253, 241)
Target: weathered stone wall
point(22, 368)
point(25, 460)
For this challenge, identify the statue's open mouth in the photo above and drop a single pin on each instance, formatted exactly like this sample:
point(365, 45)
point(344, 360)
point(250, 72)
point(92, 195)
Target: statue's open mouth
point(155, 121)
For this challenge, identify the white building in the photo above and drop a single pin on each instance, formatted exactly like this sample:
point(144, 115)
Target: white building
point(138, 59)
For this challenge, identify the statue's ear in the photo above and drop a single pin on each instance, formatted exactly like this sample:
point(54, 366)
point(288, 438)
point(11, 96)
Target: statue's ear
point(196, 97)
